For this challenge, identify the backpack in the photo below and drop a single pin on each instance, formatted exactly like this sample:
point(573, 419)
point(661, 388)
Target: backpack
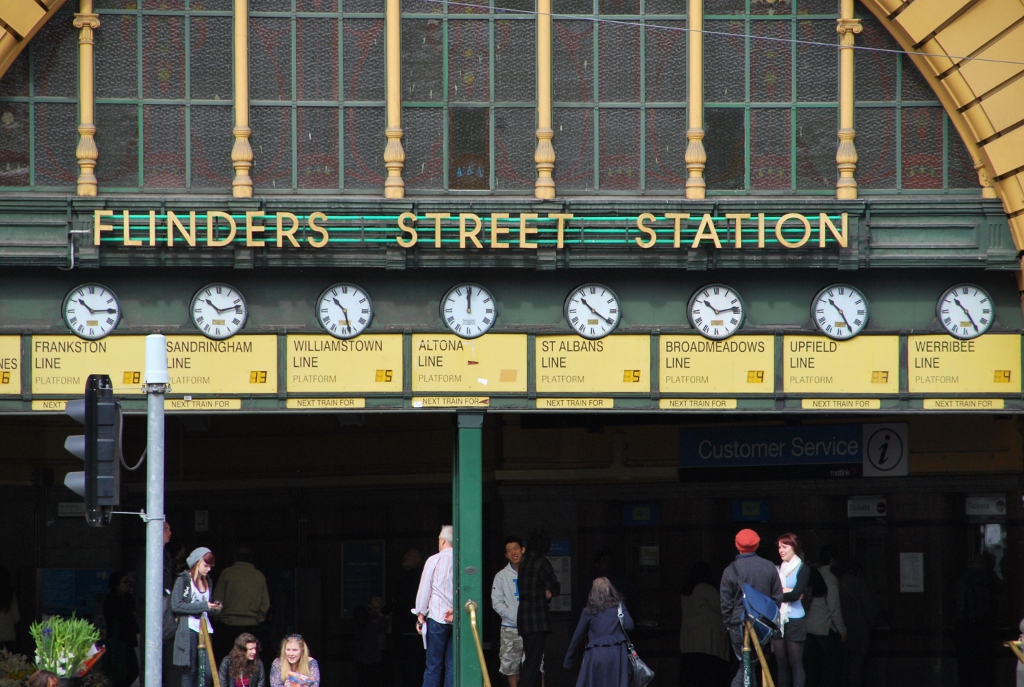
point(761, 611)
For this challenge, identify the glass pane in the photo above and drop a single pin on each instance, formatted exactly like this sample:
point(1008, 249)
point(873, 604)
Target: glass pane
point(469, 163)
point(163, 57)
point(817, 67)
point(816, 144)
point(771, 62)
point(424, 147)
point(364, 54)
point(666, 150)
point(270, 59)
point(618, 71)
point(914, 85)
point(116, 51)
point(410, 7)
point(117, 137)
point(271, 148)
point(724, 7)
point(268, 6)
point(211, 147)
point(724, 60)
point(469, 64)
point(163, 147)
point(961, 167)
point(771, 7)
point(364, 148)
point(665, 55)
point(15, 81)
point(56, 140)
point(666, 7)
point(14, 158)
point(316, 67)
point(514, 144)
point(364, 6)
point(875, 71)
point(770, 149)
point(574, 148)
point(316, 5)
point(156, 4)
point(318, 147)
point(618, 7)
point(876, 148)
point(572, 7)
point(922, 147)
point(55, 56)
point(818, 7)
point(210, 40)
point(724, 143)
point(422, 44)
point(573, 52)
point(620, 150)
point(210, 5)
point(515, 61)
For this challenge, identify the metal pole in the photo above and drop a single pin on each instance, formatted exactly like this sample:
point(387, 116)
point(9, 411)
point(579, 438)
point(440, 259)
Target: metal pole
point(156, 386)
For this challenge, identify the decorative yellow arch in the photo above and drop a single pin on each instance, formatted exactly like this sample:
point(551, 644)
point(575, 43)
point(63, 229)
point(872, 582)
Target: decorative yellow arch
point(19, 22)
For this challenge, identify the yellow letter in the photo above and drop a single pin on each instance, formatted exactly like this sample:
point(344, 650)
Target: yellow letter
point(152, 227)
point(739, 217)
point(127, 232)
point(524, 230)
point(251, 228)
point(406, 229)
point(706, 221)
point(98, 226)
point(471, 235)
point(437, 217)
point(283, 233)
point(760, 230)
point(653, 235)
point(678, 217)
point(782, 239)
point(173, 221)
point(320, 230)
point(824, 221)
point(210, 215)
point(496, 231)
point(561, 217)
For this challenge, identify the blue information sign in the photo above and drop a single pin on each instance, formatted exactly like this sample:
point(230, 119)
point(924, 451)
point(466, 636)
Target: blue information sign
point(730, 447)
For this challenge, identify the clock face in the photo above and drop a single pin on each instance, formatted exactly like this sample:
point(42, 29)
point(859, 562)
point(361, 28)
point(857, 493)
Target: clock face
point(468, 310)
point(716, 311)
point(593, 310)
point(91, 311)
point(344, 311)
point(840, 311)
point(218, 311)
point(965, 311)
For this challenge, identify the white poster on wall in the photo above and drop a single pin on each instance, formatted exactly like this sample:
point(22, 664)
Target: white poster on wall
point(912, 572)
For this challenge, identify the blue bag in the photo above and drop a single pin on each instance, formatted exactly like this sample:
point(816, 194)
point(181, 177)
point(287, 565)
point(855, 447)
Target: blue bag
point(761, 611)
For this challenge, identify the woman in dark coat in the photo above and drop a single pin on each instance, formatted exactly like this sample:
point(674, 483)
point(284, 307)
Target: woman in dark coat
point(604, 659)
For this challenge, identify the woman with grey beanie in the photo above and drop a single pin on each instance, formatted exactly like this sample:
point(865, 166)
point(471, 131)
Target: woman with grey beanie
point(191, 605)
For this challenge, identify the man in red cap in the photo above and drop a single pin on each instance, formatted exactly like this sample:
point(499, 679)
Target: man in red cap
point(748, 568)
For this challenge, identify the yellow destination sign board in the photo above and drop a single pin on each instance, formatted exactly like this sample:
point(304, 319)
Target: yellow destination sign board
point(575, 403)
point(963, 404)
point(325, 403)
point(370, 363)
point(61, 363)
point(841, 403)
point(202, 404)
point(941, 364)
point(574, 365)
point(243, 364)
point(493, 363)
point(738, 365)
point(451, 401)
point(697, 404)
point(50, 405)
point(10, 365)
point(820, 365)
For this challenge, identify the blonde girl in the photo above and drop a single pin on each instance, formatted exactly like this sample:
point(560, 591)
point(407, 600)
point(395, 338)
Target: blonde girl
point(294, 667)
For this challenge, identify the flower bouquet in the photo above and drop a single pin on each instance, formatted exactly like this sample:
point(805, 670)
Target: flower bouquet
point(63, 645)
point(14, 669)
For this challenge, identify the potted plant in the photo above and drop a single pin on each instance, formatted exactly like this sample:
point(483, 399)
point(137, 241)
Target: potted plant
point(64, 645)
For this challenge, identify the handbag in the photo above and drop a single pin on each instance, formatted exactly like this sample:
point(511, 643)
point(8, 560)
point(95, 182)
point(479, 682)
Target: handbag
point(639, 672)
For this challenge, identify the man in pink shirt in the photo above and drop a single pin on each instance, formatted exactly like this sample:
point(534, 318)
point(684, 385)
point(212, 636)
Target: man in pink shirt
point(434, 612)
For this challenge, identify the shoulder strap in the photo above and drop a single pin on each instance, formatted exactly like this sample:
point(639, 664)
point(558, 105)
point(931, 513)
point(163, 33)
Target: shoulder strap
point(629, 643)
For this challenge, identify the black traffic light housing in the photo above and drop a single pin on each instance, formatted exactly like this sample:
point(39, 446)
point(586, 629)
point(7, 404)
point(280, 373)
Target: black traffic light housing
point(99, 448)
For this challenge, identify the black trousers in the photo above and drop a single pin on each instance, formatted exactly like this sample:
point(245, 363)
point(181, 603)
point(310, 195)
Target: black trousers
point(533, 654)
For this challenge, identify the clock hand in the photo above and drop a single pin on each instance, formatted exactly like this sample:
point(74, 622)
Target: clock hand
point(93, 312)
point(717, 311)
point(966, 312)
point(348, 325)
point(606, 319)
point(210, 303)
point(841, 314)
point(469, 303)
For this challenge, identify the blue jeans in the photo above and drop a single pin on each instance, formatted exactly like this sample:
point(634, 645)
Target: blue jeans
point(190, 674)
point(439, 651)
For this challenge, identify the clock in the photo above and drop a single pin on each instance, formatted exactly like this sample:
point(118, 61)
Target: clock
point(965, 311)
point(840, 311)
point(593, 310)
point(91, 311)
point(344, 311)
point(716, 311)
point(218, 311)
point(468, 310)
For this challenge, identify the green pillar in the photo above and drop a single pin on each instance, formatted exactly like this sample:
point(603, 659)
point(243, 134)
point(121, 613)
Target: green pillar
point(467, 519)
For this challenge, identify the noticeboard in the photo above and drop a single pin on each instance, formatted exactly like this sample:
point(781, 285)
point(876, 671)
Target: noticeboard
point(820, 365)
point(940, 364)
point(493, 363)
point(691, 364)
point(243, 364)
point(620, 363)
point(10, 365)
point(370, 363)
point(61, 363)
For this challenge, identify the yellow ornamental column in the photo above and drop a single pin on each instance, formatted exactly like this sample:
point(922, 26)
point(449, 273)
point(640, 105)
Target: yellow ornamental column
point(846, 157)
point(544, 156)
point(86, 21)
point(241, 152)
point(394, 154)
point(695, 157)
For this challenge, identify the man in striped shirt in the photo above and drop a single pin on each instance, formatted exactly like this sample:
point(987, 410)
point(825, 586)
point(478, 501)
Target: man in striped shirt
point(434, 612)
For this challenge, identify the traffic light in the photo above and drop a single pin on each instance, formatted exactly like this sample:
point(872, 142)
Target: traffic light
point(99, 448)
